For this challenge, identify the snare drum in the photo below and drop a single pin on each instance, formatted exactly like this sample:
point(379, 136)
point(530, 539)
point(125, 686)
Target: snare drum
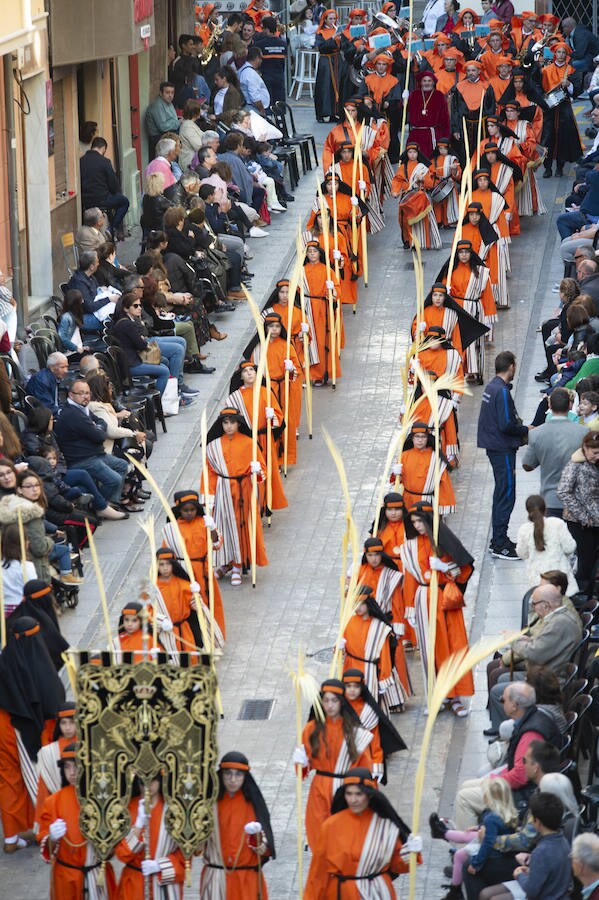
point(555, 97)
point(442, 190)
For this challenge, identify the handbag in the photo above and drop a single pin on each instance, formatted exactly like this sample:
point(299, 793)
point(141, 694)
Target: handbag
point(170, 398)
point(452, 597)
point(151, 355)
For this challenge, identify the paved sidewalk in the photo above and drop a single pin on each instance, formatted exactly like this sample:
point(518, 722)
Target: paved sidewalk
point(297, 597)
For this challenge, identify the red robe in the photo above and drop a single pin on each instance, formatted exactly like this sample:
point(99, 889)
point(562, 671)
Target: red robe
point(428, 116)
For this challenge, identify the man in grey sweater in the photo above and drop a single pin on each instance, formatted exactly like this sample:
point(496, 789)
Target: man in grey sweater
point(550, 446)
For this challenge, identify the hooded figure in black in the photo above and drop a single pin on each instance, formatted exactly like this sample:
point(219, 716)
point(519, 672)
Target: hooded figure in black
point(390, 738)
point(251, 792)
point(30, 690)
point(470, 328)
point(447, 542)
point(376, 801)
point(192, 618)
point(38, 604)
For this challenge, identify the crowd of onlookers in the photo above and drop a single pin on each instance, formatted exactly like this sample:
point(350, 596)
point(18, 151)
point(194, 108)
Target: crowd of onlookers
point(113, 360)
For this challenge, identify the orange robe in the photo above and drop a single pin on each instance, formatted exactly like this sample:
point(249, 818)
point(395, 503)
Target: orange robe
point(417, 466)
point(16, 807)
point(537, 120)
point(367, 648)
point(279, 500)
point(276, 356)
point(446, 80)
point(134, 643)
point(236, 450)
point(323, 787)
point(444, 318)
point(348, 283)
point(196, 543)
point(415, 208)
point(460, 279)
point(490, 258)
point(177, 598)
point(380, 85)
point(296, 320)
point(339, 850)
point(449, 435)
point(486, 198)
point(67, 881)
point(450, 634)
point(132, 851)
point(344, 221)
point(439, 171)
point(489, 60)
point(236, 855)
point(342, 133)
point(316, 277)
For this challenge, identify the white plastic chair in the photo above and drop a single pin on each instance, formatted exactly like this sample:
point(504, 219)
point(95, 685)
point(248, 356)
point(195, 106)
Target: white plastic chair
point(304, 73)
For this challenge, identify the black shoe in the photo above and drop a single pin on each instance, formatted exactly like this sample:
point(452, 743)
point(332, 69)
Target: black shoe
point(225, 307)
point(448, 871)
point(206, 370)
point(491, 732)
point(192, 368)
point(542, 376)
point(454, 893)
point(288, 198)
point(437, 826)
point(406, 245)
point(506, 552)
point(143, 495)
point(547, 173)
point(559, 172)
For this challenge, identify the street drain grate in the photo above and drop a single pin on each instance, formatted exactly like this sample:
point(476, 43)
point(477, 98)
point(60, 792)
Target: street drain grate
point(253, 710)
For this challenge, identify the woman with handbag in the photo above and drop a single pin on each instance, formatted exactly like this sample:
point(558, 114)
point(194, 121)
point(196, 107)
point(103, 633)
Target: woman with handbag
point(143, 356)
point(420, 555)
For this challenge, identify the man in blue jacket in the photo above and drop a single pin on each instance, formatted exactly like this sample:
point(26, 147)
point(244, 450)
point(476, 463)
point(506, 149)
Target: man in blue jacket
point(81, 437)
point(43, 385)
point(500, 433)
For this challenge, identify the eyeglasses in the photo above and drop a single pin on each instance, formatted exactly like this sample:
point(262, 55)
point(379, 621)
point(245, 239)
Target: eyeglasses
point(135, 305)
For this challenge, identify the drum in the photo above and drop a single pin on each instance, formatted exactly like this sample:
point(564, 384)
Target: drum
point(442, 190)
point(555, 97)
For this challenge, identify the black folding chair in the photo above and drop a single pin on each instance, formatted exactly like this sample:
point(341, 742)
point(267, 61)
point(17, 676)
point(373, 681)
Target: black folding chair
point(284, 121)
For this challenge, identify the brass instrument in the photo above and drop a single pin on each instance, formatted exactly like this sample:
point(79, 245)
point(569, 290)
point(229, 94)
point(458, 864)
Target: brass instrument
point(380, 19)
point(211, 47)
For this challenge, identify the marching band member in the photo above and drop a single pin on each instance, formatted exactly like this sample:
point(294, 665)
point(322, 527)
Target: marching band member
point(559, 118)
point(415, 211)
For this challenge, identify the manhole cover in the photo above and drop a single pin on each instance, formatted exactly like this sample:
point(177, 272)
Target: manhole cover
point(256, 709)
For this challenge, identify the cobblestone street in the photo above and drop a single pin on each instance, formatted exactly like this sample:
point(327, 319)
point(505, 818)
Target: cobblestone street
point(296, 601)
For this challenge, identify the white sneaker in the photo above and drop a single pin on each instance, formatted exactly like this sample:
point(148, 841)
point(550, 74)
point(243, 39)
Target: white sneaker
point(277, 207)
point(257, 232)
point(110, 513)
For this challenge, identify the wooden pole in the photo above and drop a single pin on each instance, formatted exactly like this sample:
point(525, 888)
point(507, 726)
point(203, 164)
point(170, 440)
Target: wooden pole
point(407, 78)
point(209, 548)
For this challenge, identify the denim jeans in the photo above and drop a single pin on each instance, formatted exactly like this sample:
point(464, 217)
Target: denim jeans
point(569, 222)
point(61, 555)
point(159, 372)
point(108, 472)
point(173, 350)
point(79, 478)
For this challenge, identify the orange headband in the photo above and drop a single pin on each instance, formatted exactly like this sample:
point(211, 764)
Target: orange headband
point(234, 765)
point(28, 633)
